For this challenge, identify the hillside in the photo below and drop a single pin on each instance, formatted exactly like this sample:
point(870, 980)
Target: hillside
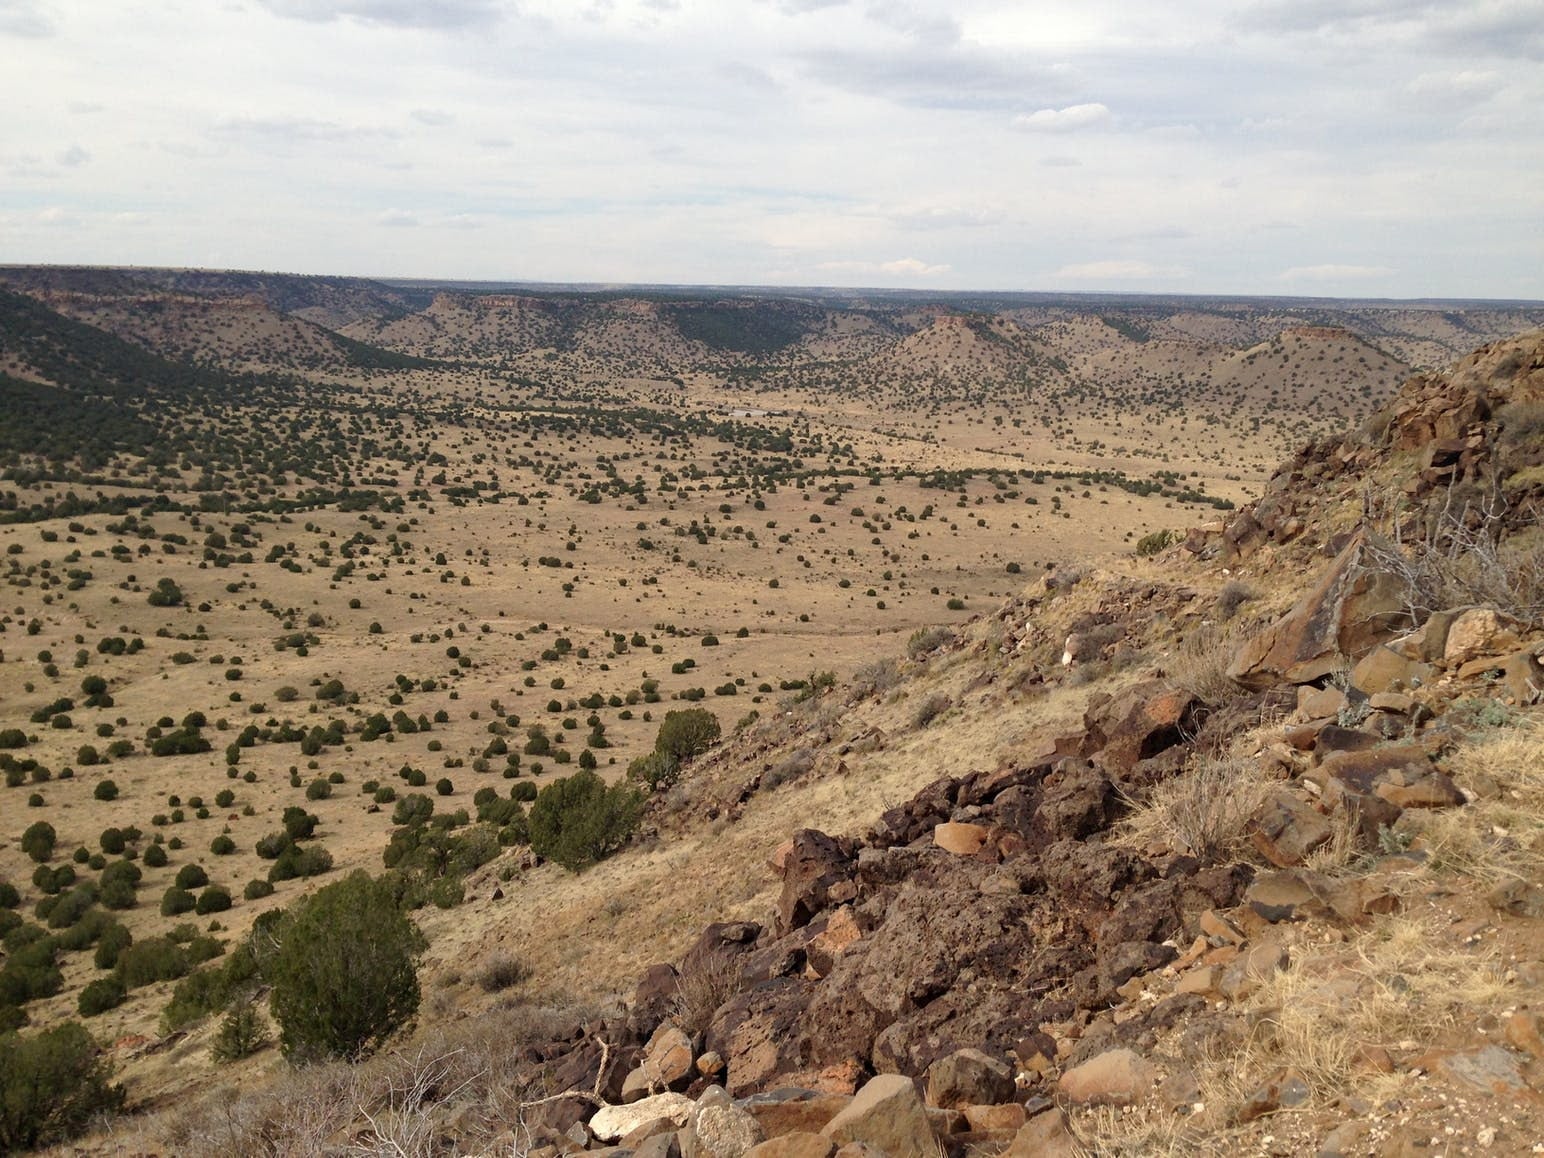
point(273, 621)
point(1233, 848)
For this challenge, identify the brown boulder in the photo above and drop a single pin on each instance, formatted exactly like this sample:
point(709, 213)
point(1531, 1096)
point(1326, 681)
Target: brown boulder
point(968, 1077)
point(813, 865)
point(797, 1145)
point(841, 931)
point(794, 1111)
point(996, 1116)
point(1319, 703)
point(1400, 774)
point(1117, 1077)
point(1286, 830)
point(667, 1059)
point(1251, 969)
point(1046, 1135)
point(960, 839)
point(1476, 632)
point(1352, 607)
point(754, 1033)
point(1140, 722)
point(720, 1129)
point(887, 1114)
point(656, 995)
point(1385, 670)
point(1077, 800)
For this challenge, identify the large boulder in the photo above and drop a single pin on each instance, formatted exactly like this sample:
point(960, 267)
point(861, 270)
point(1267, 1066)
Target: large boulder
point(1118, 1077)
point(968, 1077)
point(613, 1122)
point(1287, 829)
point(1077, 799)
point(1479, 631)
point(1140, 722)
point(813, 864)
point(719, 1129)
point(887, 1114)
point(754, 1032)
point(1353, 606)
point(1399, 774)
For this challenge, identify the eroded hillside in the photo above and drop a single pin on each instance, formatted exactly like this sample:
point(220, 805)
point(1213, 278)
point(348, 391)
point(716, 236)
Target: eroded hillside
point(377, 611)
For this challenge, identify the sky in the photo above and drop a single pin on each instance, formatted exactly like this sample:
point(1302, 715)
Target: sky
point(1364, 148)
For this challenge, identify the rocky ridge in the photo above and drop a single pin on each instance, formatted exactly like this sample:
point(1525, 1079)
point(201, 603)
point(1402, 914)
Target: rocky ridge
point(1004, 953)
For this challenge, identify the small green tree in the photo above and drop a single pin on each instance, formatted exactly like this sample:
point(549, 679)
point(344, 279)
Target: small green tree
point(578, 820)
point(39, 840)
point(166, 594)
point(687, 733)
point(51, 1086)
point(343, 971)
point(242, 1032)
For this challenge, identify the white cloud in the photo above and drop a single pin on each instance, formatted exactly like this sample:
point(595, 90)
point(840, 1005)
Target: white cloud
point(911, 267)
point(24, 19)
point(710, 142)
point(1066, 120)
point(1117, 270)
point(907, 267)
point(395, 13)
point(1446, 89)
point(1334, 272)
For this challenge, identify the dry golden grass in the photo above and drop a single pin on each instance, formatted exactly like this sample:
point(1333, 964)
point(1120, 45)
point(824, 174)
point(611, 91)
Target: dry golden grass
point(1199, 664)
point(1203, 812)
point(1500, 835)
point(1402, 982)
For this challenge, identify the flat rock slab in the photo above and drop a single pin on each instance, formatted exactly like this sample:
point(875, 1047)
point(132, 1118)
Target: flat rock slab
point(612, 1122)
point(1119, 1077)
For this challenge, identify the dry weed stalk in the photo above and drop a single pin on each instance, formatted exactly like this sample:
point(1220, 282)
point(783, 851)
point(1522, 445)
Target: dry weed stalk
point(701, 989)
point(1463, 555)
point(402, 1126)
point(1200, 665)
point(1204, 811)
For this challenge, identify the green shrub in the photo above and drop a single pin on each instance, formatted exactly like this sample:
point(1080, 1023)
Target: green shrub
point(146, 962)
point(214, 899)
point(101, 995)
point(414, 808)
point(177, 900)
point(578, 820)
point(39, 840)
point(241, 1034)
point(51, 1086)
point(1155, 542)
point(105, 790)
point(111, 943)
point(257, 889)
point(687, 733)
point(343, 974)
point(657, 770)
point(192, 876)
